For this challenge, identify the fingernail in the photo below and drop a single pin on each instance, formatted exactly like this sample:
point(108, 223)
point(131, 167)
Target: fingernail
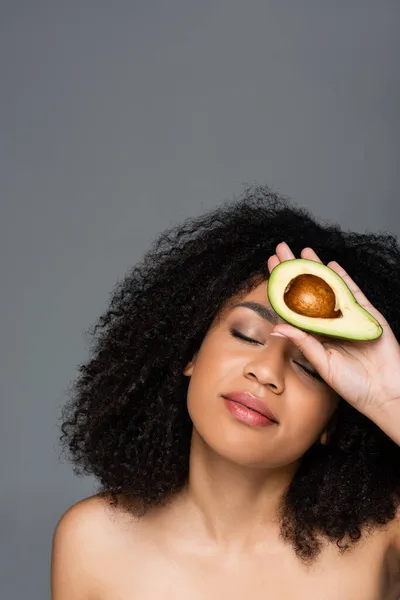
point(278, 334)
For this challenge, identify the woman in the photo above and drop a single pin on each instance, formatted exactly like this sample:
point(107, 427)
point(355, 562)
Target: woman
point(201, 497)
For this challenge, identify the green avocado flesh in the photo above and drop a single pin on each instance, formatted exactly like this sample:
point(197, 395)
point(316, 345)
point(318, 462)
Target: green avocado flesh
point(312, 297)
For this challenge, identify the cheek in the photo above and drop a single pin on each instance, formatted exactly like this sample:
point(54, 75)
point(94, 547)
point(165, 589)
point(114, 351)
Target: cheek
point(307, 417)
point(212, 375)
point(202, 403)
point(204, 383)
point(216, 362)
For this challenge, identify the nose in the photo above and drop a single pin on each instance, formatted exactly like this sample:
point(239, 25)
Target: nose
point(268, 367)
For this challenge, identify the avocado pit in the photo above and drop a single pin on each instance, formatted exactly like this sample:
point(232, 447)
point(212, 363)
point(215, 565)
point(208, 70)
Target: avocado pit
point(311, 296)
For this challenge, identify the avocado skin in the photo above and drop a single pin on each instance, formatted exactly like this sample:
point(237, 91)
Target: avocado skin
point(355, 324)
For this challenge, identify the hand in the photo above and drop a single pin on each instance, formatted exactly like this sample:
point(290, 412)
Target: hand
point(365, 374)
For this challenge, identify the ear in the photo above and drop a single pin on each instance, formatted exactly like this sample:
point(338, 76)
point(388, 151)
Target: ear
point(327, 433)
point(324, 439)
point(188, 370)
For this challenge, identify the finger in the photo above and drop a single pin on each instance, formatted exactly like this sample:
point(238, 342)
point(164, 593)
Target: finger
point(309, 346)
point(273, 262)
point(309, 254)
point(283, 252)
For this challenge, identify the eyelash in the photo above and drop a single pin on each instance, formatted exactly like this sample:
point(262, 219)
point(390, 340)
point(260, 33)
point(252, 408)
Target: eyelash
point(235, 333)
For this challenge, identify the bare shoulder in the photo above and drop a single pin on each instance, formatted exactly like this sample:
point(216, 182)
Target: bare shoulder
point(86, 518)
point(83, 540)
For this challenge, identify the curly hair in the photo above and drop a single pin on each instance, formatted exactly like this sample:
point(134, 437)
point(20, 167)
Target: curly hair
point(126, 420)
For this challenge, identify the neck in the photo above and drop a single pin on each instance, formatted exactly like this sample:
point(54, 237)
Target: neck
point(235, 507)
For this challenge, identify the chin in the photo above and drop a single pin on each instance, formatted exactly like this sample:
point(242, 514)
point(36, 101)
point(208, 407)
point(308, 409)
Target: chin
point(239, 448)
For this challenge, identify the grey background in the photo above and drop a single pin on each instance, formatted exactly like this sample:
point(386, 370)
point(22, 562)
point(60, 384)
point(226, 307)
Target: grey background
point(118, 119)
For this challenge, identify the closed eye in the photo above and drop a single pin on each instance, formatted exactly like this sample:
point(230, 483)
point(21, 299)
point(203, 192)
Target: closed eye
point(312, 374)
point(237, 334)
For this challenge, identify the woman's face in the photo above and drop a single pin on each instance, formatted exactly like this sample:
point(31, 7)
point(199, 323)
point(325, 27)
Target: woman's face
point(273, 370)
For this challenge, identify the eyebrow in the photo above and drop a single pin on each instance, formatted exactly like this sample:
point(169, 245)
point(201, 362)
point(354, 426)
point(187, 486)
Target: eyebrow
point(266, 313)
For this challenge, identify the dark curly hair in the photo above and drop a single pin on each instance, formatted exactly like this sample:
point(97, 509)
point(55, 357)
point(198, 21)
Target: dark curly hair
point(126, 420)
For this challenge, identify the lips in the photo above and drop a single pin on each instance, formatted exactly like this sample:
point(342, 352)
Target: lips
point(247, 399)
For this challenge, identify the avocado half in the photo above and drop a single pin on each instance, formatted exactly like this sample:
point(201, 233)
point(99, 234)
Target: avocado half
point(312, 297)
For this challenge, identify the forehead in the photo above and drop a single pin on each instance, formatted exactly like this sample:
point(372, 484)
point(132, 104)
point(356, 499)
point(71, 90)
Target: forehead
point(258, 295)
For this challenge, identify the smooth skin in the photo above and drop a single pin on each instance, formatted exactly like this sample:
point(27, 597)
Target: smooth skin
point(219, 538)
